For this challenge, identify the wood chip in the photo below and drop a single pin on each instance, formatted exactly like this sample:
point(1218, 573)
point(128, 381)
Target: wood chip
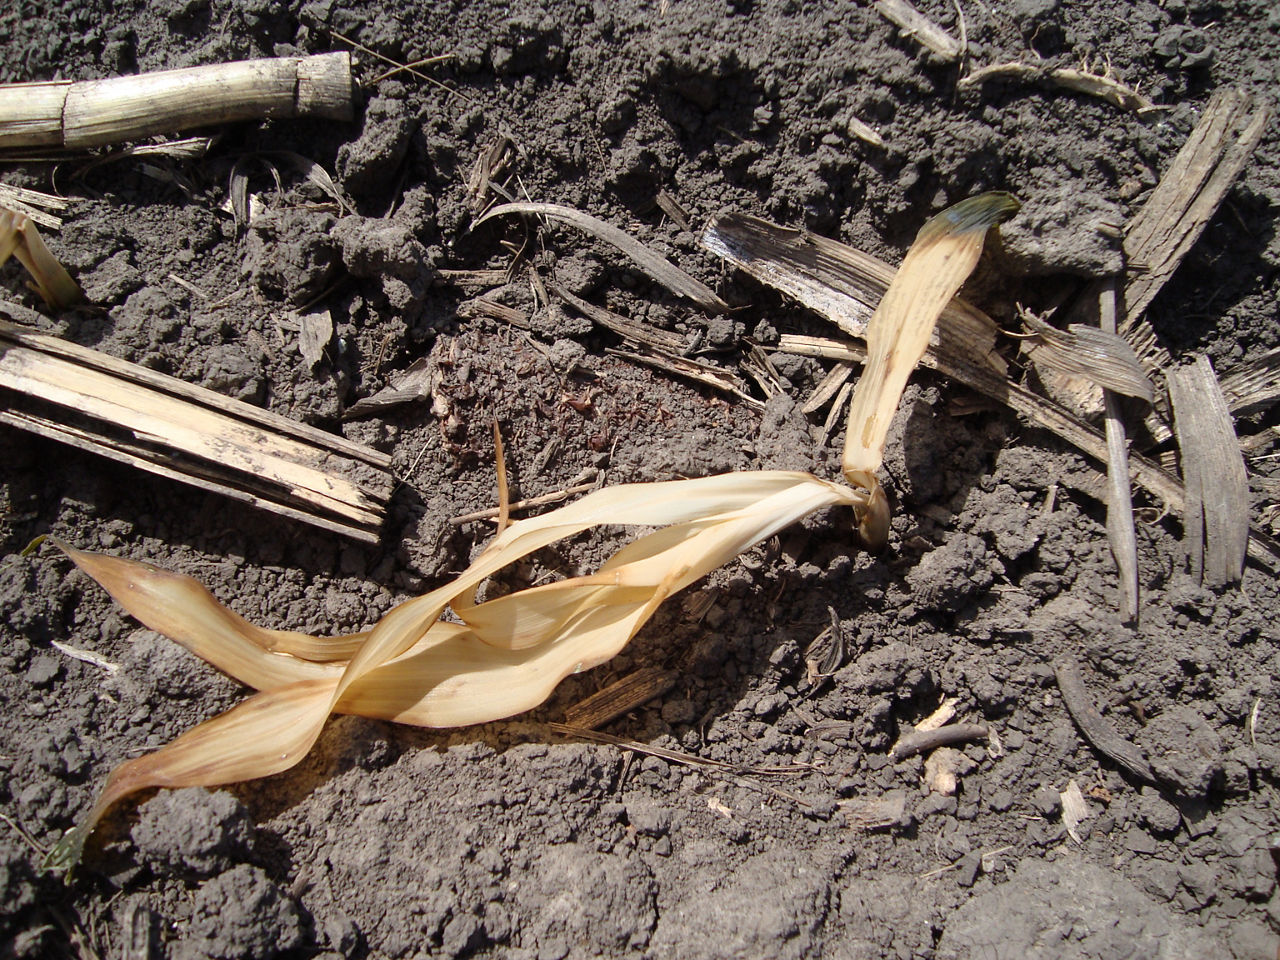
point(413, 383)
point(151, 421)
point(315, 330)
point(1075, 809)
point(915, 25)
point(655, 265)
point(1216, 512)
point(621, 696)
point(875, 813)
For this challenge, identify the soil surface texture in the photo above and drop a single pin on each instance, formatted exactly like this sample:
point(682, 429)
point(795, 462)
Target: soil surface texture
point(510, 840)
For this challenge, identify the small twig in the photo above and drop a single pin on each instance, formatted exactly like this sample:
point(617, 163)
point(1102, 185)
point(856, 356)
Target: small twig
point(504, 492)
point(688, 759)
point(87, 656)
point(1097, 731)
point(922, 741)
point(1120, 529)
point(425, 62)
point(22, 832)
point(519, 505)
point(74, 931)
point(188, 286)
point(964, 34)
point(1081, 81)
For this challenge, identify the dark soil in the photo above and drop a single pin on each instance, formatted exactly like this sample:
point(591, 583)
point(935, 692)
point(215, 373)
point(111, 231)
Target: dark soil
point(506, 840)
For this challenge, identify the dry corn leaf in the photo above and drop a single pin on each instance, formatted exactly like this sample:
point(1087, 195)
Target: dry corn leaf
point(944, 254)
point(504, 658)
point(507, 654)
point(19, 238)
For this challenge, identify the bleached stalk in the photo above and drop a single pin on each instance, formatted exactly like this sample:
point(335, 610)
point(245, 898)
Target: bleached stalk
point(91, 113)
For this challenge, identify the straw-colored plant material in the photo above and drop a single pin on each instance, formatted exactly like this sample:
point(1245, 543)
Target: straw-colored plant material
point(163, 425)
point(937, 265)
point(1101, 85)
point(34, 203)
point(505, 656)
point(914, 24)
point(656, 266)
point(1091, 353)
point(97, 112)
point(19, 238)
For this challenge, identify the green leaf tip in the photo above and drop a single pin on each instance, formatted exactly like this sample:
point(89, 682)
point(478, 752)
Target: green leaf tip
point(33, 546)
point(65, 854)
point(976, 213)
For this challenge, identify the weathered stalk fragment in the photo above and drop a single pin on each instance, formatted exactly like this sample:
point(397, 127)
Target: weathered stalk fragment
point(151, 421)
point(1216, 515)
point(1120, 529)
point(92, 113)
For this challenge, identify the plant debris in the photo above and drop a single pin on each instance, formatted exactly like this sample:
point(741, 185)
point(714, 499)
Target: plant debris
point(1104, 86)
point(148, 420)
point(1216, 513)
point(659, 268)
point(1096, 730)
point(20, 238)
point(92, 113)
